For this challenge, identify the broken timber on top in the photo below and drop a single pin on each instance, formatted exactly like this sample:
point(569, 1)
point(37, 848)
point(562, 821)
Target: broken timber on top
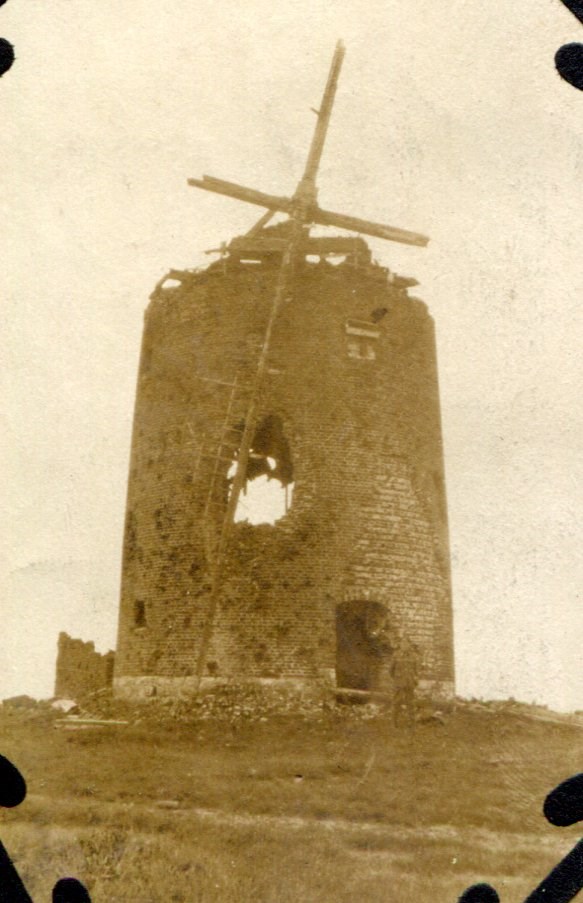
point(257, 247)
point(303, 205)
point(314, 214)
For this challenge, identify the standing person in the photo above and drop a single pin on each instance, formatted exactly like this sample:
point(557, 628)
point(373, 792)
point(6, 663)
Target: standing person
point(405, 675)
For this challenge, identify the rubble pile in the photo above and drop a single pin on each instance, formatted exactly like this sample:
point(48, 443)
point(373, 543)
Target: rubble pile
point(229, 703)
point(247, 703)
point(232, 704)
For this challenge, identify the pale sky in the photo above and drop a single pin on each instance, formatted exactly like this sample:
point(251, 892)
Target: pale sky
point(450, 120)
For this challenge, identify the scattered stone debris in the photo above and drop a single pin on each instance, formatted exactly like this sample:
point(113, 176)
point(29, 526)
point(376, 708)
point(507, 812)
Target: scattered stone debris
point(237, 702)
point(244, 703)
point(247, 703)
point(68, 706)
point(20, 702)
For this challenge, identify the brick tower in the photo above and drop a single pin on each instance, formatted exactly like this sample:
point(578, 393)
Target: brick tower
point(298, 363)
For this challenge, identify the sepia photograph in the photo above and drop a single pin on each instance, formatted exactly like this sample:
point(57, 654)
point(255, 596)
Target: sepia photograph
point(292, 452)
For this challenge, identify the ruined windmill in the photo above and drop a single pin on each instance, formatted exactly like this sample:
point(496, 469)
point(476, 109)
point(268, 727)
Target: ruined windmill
point(295, 360)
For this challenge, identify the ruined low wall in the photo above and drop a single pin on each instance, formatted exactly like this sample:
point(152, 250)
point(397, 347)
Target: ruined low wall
point(80, 669)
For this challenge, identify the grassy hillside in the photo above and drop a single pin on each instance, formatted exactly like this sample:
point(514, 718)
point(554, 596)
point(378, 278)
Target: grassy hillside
point(334, 808)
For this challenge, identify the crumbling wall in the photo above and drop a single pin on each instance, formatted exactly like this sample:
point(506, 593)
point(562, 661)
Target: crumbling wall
point(80, 669)
point(353, 380)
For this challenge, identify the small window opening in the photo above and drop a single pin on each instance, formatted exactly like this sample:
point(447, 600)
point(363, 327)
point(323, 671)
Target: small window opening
point(361, 339)
point(139, 613)
point(268, 488)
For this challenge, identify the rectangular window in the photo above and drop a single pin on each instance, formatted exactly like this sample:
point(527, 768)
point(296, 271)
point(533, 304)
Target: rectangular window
point(139, 613)
point(361, 339)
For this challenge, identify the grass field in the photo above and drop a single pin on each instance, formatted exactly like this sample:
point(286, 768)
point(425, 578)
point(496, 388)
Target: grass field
point(332, 809)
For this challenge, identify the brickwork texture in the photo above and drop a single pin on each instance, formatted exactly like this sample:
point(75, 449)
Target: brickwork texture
point(353, 382)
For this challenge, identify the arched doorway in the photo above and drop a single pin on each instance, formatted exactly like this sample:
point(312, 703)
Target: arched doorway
point(362, 645)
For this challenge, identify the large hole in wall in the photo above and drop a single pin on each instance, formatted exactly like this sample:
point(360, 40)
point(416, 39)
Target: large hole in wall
point(268, 487)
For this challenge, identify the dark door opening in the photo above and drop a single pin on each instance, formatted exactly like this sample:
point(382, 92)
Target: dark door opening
point(361, 650)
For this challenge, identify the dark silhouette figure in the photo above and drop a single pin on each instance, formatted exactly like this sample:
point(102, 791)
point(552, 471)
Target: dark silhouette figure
point(405, 675)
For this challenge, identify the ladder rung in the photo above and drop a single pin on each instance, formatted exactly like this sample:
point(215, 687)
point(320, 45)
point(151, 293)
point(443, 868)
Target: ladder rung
point(220, 444)
point(212, 494)
point(221, 382)
point(239, 388)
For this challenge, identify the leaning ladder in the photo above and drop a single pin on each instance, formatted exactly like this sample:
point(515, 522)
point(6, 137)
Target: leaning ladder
point(216, 552)
point(302, 210)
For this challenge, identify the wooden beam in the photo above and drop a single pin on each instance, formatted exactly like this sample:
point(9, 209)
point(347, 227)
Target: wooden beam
point(261, 222)
point(308, 184)
point(378, 230)
point(323, 245)
point(314, 214)
point(232, 190)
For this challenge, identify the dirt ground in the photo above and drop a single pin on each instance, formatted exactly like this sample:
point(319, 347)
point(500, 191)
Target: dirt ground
point(339, 807)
